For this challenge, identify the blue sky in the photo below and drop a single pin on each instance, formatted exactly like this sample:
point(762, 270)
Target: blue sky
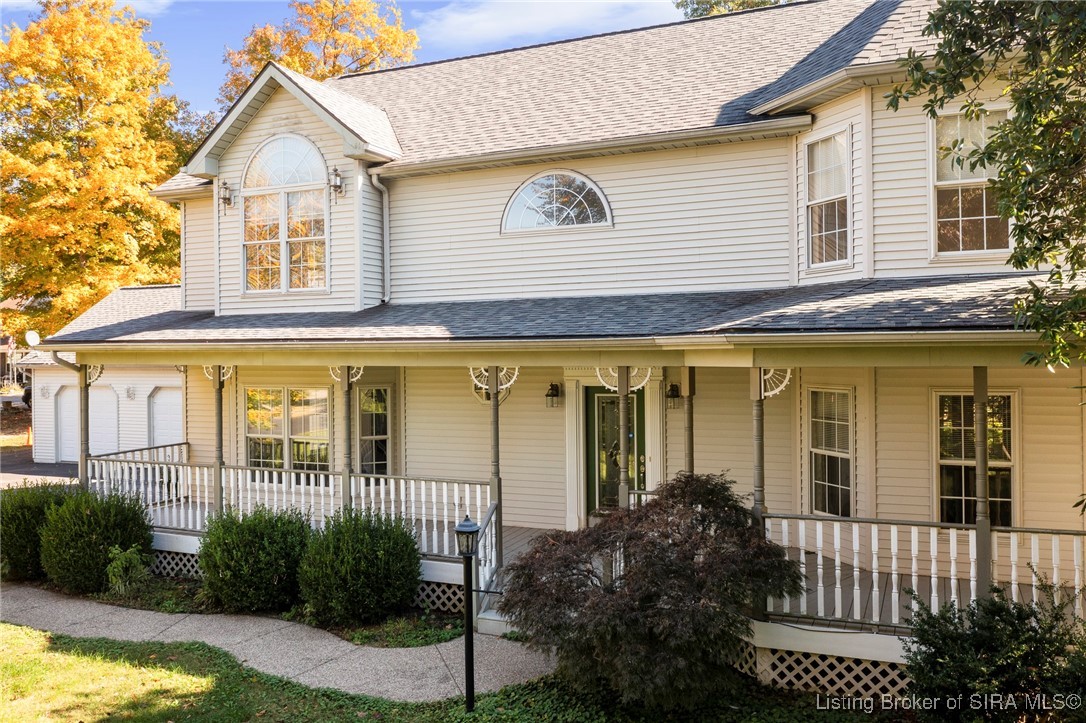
point(194, 32)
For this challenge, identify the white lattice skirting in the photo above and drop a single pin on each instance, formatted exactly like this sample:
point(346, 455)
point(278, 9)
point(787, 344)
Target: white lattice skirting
point(441, 596)
point(175, 564)
point(830, 674)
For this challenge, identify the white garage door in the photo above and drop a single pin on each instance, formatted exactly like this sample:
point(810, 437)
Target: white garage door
point(166, 417)
point(103, 422)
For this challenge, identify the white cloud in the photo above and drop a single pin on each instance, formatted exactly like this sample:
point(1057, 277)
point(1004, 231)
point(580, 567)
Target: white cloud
point(143, 8)
point(463, 27)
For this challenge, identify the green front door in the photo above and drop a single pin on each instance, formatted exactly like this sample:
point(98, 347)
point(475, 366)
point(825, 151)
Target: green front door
point(602, 445)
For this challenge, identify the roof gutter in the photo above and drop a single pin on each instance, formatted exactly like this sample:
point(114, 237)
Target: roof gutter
point(64, 362)
point(745, 131)
point(386, 240)
point(852, 74)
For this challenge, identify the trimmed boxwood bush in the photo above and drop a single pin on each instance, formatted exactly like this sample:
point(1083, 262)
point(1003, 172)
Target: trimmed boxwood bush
point(250, 563)
point(78, 534)
point(22, 514)
point(359, 569)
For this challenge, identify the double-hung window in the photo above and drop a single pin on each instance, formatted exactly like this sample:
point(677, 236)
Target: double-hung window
point(827, 200)
point(958, 459)
point(831, 452)
point(285, 240)
point(287, 428)
point(374, 431)
point(966, 218)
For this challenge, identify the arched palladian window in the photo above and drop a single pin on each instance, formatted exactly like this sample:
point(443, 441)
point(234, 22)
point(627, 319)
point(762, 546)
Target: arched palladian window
point(286, 242)
point(556, 199)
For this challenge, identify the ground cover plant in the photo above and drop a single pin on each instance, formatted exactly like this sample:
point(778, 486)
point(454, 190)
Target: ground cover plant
point(250, 563)
point(22, 515)
point(51, 676)
point(652, 603)
point(77, 536)
point(411, 630)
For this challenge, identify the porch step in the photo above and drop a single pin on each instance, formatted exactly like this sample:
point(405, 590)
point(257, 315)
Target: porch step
point(491, 622)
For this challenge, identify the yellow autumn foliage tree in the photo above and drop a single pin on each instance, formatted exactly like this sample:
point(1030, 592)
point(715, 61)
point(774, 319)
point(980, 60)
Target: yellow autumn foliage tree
point(79, 153)
point(325, 38)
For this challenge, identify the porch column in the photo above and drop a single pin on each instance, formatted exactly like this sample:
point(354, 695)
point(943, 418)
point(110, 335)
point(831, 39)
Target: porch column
point(218, 383)
point(984, 521)
point(493, 388)
point(687, 386)
point(84, 426)
point(758, 400)
point(623, 436)
point(348, 440)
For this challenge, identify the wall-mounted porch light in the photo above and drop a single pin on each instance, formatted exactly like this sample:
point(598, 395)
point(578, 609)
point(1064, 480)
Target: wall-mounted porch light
point(226, 198)
point(335, 181)
point(674, 396)
point(554, 395)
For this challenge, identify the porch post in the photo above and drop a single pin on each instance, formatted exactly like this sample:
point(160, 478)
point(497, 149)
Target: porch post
point(219, 496)
point(84, 426)
point(687, 384)
point(623, 436)
point(984, 521)
point(348, 440)
point(493, 387)
point(758, 400)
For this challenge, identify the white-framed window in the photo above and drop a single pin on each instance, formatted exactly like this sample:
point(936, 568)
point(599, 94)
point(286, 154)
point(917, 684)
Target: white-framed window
point(375, 430)
point(831, 452)
point(556, 199)
point(284, 209)
point(288, 428)
point(828, 176)
point(966, 219)
point(957, 460)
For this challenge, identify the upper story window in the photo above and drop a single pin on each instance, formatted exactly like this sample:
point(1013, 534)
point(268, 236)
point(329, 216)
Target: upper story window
point(556, 199)
point(827, 200)
point(965, 206)
point(285, 242)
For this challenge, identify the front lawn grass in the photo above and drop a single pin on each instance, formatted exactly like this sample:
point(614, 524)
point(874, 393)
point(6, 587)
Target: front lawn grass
point(56, 677)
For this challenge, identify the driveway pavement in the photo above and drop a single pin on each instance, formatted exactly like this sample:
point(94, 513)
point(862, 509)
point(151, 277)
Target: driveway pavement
point(291, 650)
point(17, 464)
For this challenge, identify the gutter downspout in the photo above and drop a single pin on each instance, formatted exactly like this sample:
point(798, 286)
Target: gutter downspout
point(64, 362)
point(84, 415)
point(386, 242)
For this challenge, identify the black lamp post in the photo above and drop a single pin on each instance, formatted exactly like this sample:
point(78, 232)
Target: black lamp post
point(467, 543)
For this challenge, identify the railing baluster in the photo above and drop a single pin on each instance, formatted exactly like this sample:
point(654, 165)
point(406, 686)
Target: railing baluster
point(1079, 543)
point(856, 572)
point(972, 533)
point(785, 544)
point(934, 553)
point(954, 567)
point(1035, 558)
point(1014, 566)
point(875, 581)
point(821, 601)
point(914, 535)
point(1056, 565)
point(838, 608)
point(895, 593)
point(803, 565)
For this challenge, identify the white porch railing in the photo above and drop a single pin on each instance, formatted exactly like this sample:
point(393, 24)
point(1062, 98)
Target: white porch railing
point(486, 561)
point(859, 569)
point(178, 452)
point(315, 493)
point(177, 496)
point(434, 505)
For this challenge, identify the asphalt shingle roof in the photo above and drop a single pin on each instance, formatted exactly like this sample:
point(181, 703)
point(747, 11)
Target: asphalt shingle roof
point(947, 303)
point(182, 182)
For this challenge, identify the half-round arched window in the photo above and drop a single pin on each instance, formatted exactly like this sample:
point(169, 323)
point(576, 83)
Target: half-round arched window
point(284, 189)
point(556, 199)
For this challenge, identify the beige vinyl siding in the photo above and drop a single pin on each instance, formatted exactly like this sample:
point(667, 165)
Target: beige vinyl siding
point(283, 113)
point(723, 435)
point(1048, 473)
point(372, 244)
point(199, 404)
point(43, 410)
point(198, 254)
point(844, 115)
point(901, 190)
point(448, 436)
point(688, 219)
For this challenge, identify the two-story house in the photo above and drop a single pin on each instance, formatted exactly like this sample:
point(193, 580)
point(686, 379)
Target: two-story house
point(533, 284)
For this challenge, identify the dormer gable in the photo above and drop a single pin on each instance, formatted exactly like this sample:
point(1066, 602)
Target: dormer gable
point(365, 129)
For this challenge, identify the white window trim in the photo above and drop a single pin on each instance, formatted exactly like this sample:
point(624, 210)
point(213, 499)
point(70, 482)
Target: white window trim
point(808, 475)
point(609, 223)
point(286, 389)
point(956, 257)
point(1016, 445)
point(846, 263)
point(284, 246)
point(356, 402)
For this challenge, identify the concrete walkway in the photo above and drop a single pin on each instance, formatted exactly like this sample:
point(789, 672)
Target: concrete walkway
point(291, 650)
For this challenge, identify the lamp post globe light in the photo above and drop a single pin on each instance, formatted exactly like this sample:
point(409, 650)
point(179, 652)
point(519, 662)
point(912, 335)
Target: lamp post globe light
point(467, 543)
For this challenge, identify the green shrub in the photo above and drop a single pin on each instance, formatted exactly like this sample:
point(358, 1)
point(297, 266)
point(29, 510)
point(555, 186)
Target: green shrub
point(127, 570)
point(998, 649)
point(250, 563)
point(78, 534)
point(662, 630)
point(22, 514)
point(359, 569)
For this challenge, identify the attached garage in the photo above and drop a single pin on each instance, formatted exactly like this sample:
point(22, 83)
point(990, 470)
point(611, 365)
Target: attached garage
point(166, 422)
point(104, 427)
